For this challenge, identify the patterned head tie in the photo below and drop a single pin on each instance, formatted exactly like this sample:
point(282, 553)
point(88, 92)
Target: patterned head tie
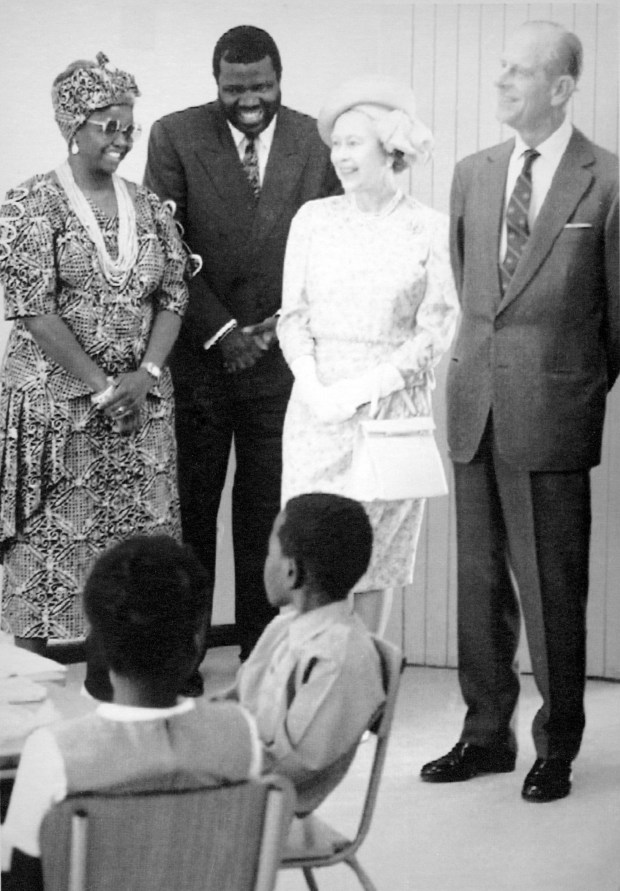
point(84, 87)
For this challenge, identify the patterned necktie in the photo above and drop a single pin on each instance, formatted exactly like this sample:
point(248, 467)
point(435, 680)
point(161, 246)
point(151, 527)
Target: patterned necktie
point(517, 226)
point(250, 165)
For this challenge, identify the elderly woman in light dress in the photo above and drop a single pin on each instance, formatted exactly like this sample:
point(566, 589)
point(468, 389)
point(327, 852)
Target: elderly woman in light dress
point(369, 307)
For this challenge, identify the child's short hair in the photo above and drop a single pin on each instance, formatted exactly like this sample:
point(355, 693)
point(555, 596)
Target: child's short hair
point(330, 537)
point(145, 599)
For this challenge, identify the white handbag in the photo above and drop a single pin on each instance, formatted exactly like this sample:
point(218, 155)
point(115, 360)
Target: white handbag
point(396, 458)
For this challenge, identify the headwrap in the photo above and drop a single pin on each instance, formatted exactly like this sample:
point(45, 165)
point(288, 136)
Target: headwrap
point(88, 87)
point(392, 107)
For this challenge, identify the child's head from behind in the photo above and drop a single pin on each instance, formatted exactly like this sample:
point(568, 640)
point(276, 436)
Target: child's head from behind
point(320, 543)
point(145, 600)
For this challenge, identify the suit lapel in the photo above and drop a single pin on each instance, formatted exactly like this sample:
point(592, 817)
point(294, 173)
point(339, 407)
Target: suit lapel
point(285, 164)
point(491, 196)
point(217, 153)
point(218, 156)
point(571, 180)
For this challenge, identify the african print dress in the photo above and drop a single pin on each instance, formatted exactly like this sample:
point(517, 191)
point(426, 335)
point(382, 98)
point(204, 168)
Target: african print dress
point(361, 289)
point(70, 483)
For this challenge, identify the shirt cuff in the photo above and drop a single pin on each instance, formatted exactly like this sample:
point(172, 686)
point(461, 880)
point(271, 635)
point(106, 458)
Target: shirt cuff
point(224, 330)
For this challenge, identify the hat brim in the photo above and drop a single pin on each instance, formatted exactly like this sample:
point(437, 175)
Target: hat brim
point(366, 89)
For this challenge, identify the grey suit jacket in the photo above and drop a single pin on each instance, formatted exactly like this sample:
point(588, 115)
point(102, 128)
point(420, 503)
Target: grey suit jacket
point(544, 356)
point(192, 159)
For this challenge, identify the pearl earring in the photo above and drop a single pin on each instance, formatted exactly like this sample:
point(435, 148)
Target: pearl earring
point(74, 147)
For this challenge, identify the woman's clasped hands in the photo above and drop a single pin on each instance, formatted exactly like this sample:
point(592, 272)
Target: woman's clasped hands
point(123, 398)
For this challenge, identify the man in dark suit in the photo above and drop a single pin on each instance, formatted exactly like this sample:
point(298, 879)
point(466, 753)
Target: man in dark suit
point(238, 169)
point(534, 238)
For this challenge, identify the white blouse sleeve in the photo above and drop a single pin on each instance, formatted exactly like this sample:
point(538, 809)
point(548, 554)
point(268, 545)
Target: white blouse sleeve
point(294, 322)
point(437, 314)
point(256, 762)
point(40, 782)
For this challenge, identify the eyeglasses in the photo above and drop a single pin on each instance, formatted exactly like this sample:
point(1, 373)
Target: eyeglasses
point(112, 127)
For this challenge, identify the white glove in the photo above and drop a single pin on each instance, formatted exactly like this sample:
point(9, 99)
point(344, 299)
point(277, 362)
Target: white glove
point(306, 380)
point(328, 404)
point(371, 386)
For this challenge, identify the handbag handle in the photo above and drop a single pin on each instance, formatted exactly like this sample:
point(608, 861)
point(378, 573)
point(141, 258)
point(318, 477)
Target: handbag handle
point(408, 401)
point(374, 402)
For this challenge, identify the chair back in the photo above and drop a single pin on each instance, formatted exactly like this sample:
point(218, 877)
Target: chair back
point(209, 839)
point(392, 664)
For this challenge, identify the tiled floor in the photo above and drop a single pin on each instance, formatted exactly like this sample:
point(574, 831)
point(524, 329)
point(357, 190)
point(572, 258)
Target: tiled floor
point(479, 835)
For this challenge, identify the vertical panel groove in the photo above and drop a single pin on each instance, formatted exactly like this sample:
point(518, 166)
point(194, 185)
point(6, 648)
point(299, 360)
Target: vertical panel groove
point(595, 69)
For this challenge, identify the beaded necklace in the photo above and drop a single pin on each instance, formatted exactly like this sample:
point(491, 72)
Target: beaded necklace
point(370, 215)
point(115, 271)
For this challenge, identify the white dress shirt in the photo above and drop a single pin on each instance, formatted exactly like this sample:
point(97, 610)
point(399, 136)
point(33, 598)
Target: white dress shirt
point(262, 143)
point(543, 171)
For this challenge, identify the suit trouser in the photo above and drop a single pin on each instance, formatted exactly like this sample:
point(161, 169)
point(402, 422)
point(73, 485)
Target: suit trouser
point(533, 528)
point(210, 415)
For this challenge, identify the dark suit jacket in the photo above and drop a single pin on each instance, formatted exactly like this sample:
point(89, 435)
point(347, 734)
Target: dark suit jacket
point(193, 160)
point(544, 356)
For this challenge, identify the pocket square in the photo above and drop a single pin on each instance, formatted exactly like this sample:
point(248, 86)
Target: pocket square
point(578, 226)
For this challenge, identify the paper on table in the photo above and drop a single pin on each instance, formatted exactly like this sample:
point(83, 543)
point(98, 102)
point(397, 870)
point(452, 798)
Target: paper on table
point(16, 721)
point(15, 661)
point(21, 690)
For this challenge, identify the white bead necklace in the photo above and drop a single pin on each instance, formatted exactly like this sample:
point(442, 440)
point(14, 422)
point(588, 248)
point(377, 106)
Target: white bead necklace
point(385, 211)
point(115, 271)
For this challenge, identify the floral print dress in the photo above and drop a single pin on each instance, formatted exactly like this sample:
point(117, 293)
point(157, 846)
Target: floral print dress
point(70, 483)
point(361, 289)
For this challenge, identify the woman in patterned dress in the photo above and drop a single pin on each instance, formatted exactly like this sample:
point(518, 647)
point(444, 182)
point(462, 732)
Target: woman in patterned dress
point(94, 275)
point(369, 307)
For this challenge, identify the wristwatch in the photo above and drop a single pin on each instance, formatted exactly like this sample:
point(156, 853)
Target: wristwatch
point(153, 369)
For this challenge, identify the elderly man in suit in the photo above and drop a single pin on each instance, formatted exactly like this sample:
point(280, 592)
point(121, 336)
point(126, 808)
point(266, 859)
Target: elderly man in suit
point(535, 254)
point(238, 169)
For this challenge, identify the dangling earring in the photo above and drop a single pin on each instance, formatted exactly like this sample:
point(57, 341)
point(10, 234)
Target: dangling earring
point(74, 147)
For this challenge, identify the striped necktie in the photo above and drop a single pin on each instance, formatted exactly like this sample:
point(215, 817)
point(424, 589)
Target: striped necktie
point(517, 226)
point(250, 165)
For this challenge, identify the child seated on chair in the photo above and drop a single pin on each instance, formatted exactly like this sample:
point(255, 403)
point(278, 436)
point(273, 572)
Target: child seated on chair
point(145, 600)
point(313, 681)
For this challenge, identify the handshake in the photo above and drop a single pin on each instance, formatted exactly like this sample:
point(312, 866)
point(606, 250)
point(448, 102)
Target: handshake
point(338, 402)
point(241, 348)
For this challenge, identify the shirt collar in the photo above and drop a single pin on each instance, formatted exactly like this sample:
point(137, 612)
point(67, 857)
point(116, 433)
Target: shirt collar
point(307, 625)
point(265, 138)
point(112, 711)
point(553, 147)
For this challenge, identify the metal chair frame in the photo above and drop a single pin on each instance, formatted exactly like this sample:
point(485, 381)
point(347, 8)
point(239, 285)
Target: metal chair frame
point(313, 843)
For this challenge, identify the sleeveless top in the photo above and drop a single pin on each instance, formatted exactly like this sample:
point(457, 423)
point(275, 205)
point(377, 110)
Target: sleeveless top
point(208, 745)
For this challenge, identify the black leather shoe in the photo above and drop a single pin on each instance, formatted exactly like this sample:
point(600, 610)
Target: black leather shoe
point(466, 761)
point(548, 780)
